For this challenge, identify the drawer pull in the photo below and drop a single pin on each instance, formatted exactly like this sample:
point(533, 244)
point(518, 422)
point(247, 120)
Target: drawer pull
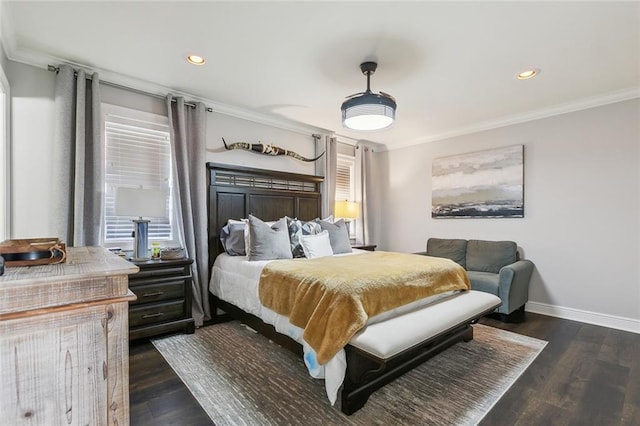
point(158, 314)
point(155, 293)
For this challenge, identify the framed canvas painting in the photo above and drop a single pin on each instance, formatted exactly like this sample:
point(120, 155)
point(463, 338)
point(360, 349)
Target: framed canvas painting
point(482, 184)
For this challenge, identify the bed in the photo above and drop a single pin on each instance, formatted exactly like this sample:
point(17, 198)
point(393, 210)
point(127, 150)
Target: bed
point(375, 355)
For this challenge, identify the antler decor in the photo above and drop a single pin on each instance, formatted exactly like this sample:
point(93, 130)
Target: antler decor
point(268, 150)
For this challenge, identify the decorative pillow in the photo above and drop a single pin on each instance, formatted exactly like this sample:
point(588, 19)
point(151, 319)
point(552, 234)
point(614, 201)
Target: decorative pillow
point(338, 235)
point(232, 237)
point(268, 242)
point(247, 236)
point(297, 229)
point(317, 245)
point(329, 218)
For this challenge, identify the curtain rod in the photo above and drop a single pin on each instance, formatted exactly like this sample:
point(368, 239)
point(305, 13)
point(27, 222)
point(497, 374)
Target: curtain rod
point(131, 89)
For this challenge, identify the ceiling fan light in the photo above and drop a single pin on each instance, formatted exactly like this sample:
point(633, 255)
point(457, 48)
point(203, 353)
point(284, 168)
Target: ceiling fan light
point(368, 112)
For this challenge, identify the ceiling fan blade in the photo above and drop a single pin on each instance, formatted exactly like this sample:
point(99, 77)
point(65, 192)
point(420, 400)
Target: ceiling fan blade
point(354, 95)
point(388, 96)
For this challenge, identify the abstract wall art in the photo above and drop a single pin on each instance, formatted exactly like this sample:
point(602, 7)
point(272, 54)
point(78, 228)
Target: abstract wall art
point(483, 184)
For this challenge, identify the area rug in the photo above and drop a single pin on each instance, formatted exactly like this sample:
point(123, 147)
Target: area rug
point(241, 378)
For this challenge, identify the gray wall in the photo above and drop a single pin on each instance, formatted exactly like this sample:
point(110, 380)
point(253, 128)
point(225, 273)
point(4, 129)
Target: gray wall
point(582, 215)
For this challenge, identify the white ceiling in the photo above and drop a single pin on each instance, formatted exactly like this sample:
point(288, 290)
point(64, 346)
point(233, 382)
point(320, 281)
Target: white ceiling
point(450, 65)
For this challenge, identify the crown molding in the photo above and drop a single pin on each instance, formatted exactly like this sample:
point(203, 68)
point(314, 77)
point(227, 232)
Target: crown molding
point(39, 60)
point(586, 103)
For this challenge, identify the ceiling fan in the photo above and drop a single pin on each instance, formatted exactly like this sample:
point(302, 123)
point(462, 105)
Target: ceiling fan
point(368, 110)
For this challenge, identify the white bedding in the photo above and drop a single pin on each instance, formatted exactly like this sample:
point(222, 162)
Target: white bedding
point(235, 279)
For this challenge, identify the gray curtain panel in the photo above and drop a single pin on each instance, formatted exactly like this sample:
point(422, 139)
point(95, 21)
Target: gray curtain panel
point(326, 166)
point(188, 142)
point(77, 181)
point(364, 193)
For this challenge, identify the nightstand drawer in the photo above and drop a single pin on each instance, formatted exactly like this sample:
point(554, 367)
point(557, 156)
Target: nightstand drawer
point(160, 272)
point(156, 313)
point(158, 291)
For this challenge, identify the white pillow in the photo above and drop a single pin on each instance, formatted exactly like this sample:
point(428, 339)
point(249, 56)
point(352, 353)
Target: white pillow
point(317, 245)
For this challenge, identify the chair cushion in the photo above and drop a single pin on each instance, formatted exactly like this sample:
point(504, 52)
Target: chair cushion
point(449, 248)
point(490, 256)
point(487, 282)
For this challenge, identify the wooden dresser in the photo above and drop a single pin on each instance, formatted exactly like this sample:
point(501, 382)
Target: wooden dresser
point(64, 347)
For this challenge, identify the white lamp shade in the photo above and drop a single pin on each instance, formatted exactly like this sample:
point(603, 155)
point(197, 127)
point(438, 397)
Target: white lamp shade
point(141, 202)
point(347, 210)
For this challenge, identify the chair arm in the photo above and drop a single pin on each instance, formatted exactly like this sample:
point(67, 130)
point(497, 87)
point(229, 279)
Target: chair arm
point(514, 285)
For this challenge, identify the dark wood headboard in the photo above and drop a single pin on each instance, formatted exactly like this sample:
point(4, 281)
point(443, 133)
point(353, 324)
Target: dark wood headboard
point(235, 192)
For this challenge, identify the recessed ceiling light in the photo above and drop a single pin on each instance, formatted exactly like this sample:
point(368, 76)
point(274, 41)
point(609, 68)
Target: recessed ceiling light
point(195, 60)
point(527, 74)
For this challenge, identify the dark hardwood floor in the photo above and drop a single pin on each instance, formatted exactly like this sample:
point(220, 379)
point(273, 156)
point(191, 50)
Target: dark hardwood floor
point(586, 375)
point(157, 396)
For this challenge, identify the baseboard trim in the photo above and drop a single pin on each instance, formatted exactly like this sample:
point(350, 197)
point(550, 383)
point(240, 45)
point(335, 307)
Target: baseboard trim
point(595, 318)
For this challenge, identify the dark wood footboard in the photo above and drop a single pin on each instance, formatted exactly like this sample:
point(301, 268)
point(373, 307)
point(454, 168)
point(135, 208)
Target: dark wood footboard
point(367, 373)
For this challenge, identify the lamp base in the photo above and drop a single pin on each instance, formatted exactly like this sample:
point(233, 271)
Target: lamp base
point(141, 239)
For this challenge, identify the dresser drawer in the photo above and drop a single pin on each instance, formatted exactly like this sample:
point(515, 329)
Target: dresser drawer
point(158, 291)
point(156, 313)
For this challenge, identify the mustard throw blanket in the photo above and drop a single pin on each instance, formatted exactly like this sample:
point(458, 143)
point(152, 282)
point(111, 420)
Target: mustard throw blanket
point(332, 297)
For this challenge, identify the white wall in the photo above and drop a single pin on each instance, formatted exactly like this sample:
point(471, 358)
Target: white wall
point(32, 93)
point(32, 126)
point(582, 208)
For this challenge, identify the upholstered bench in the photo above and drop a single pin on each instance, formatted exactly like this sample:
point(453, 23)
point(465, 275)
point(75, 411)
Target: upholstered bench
point(493, 267)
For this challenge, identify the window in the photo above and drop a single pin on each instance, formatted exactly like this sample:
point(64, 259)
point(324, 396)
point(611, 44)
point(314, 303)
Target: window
point(345, 183)
point(137, 155)
point(345, 178)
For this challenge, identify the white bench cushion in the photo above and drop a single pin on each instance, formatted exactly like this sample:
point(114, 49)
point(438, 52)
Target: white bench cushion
point(388, 338)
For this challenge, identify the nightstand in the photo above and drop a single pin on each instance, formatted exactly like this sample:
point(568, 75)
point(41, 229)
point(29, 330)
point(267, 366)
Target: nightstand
point(163, 288)
point(368, 247)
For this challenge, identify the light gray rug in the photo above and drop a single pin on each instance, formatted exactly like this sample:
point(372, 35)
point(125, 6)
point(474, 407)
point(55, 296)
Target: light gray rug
point(242, 378)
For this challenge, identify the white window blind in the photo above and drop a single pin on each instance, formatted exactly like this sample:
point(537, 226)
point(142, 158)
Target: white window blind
point(138, 155)
point(345, 179)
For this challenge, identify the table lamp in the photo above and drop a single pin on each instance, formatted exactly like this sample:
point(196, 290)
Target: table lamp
point(347, 210)
point(141, 203)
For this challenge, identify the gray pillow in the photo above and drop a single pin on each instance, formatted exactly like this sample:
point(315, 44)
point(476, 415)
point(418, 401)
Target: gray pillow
point(453, 249)
point(338, 235)
point(297, 229)
point(232, 239)
point(490, 256)
point(268, 242)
